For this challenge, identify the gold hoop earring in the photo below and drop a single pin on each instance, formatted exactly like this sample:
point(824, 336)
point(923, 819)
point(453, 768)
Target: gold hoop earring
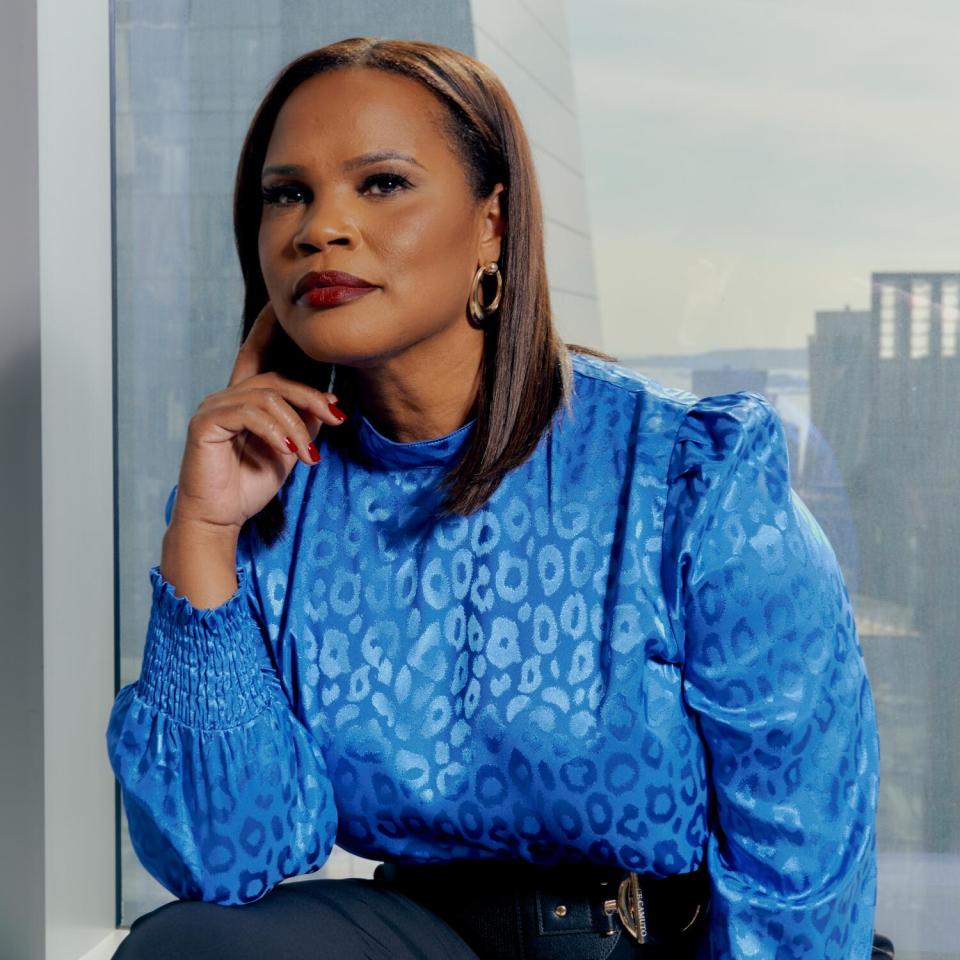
point(480, 311)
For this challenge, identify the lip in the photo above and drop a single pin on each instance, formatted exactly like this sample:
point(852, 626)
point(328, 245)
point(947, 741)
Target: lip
point(332, 296)
point(328, 278)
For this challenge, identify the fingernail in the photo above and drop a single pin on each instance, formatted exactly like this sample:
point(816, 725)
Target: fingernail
point(313, 451)
point(337, 412)
point(293, 448)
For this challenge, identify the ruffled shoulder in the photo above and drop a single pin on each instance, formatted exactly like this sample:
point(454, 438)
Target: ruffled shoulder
point(716, 429)
point(731, 433)
point(729, 452)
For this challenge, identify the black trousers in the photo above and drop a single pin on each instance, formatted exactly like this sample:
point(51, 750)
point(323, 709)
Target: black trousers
point(330, 920)
point(306, 920)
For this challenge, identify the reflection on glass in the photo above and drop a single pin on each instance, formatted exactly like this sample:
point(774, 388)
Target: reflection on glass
point(874, 439)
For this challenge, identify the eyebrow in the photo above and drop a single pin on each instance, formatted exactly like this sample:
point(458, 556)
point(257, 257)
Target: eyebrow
point(364, 160)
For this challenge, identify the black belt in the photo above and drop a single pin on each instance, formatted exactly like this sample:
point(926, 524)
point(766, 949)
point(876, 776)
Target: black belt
point(509, 909)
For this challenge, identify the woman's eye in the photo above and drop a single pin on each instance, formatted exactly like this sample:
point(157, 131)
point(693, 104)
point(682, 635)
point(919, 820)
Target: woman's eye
point(384, 180)
point(273, 195)
point(386, 184)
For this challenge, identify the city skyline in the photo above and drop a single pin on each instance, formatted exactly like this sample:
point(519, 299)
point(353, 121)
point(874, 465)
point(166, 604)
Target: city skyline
point(748, 165)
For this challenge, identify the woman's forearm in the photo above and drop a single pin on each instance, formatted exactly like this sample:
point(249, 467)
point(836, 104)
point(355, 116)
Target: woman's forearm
point(200, 563)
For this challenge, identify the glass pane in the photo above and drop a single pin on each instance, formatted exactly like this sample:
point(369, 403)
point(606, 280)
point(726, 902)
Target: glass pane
point(188, 78)
point(767, 211)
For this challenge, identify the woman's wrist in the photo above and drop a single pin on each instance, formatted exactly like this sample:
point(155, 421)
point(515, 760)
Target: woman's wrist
point(199, 561)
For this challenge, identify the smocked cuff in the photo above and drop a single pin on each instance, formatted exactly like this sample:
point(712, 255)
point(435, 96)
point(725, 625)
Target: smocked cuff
point(201, 666)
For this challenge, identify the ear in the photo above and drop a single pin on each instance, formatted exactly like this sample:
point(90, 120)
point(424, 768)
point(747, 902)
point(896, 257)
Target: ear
point(492, 221)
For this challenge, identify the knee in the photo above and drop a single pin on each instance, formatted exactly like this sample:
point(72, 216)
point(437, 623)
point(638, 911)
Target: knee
point(174, 930)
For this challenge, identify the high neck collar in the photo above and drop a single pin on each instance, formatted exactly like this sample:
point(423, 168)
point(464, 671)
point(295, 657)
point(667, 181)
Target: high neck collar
point(437, 452)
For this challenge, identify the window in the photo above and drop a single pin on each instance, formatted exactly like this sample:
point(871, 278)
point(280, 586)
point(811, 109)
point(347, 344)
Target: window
point(920, 319)
point(949, 316)
point(754, 221)
point(888, 321)
point(741, 194)
point(188, 78)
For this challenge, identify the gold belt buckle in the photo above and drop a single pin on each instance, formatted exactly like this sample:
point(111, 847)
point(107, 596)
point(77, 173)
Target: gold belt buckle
point(631, 908)
point(632, 911)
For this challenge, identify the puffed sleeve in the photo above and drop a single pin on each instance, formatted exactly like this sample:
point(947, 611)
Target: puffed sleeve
point(774, 674)
point(226, 791)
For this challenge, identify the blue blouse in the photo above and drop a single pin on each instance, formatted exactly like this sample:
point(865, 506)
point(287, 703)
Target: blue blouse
point(641, 651)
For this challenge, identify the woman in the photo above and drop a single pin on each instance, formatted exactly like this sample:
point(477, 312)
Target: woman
point(558, 644)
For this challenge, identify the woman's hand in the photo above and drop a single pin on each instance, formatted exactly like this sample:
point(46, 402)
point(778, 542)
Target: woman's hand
point(237, 454)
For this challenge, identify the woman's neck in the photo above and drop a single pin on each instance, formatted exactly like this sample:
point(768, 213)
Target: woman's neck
point(420, 394)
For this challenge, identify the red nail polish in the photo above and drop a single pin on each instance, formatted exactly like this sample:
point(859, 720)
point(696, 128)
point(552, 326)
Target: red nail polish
point(293, 448)
point(337, 412)
point(313, 451)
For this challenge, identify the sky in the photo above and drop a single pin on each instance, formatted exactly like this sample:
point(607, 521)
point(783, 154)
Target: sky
point(752, 161)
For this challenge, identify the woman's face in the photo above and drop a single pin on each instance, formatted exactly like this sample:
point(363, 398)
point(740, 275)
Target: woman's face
point(408, 226)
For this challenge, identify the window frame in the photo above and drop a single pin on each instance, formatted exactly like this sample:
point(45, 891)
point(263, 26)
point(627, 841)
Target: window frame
point(77, 333)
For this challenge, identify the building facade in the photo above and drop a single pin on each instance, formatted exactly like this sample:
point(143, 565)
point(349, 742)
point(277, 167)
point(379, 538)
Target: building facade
point(885, 398)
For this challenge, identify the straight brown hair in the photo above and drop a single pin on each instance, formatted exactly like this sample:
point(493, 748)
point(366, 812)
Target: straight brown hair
point(526, 373)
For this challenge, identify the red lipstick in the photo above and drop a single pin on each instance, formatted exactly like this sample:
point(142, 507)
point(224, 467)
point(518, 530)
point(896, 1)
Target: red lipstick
point(329, 288)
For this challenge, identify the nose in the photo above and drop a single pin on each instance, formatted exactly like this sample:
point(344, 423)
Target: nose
point(324, 223)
